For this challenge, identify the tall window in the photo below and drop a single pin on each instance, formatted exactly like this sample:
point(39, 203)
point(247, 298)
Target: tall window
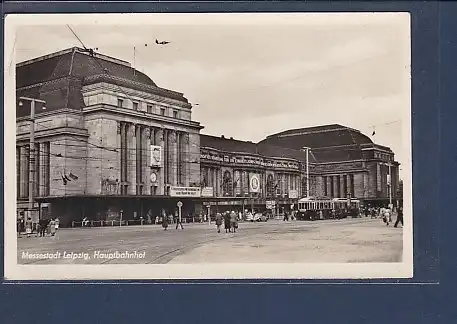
point(18, 171)
point(135, 105)
point(270, 186)
point(139, 160)
point(332, 187)
point(120, 103)
point(352, 186)
point(162, 111)
point(124, 150)
point(338, 186)
point(149, 107)
point(345, 185)
point(227, 184)
point(47, 168)
point(325, 186)
point(175, 114)
point(36, 181)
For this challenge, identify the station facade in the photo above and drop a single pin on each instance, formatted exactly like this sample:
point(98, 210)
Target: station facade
point(109, 143)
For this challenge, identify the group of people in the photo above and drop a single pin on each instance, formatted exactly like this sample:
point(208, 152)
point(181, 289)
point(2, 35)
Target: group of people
point(385, 213)
point(230, 220)
point(166, 218)
point(45, 226)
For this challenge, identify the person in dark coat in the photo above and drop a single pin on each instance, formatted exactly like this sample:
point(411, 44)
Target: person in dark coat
point(165, 221)
point(233, 221)
point(227, 222)
point(43, 226)
point(399, 217)
point(218, 222)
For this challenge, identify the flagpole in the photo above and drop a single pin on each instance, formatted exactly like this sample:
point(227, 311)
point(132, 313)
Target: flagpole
point(134, 57)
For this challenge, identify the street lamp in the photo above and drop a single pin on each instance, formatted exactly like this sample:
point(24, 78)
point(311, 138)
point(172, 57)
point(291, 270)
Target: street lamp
point(307, 169)
point(31, 149)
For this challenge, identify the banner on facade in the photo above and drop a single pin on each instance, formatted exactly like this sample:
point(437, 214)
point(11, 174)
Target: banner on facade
point(254, 183)
point(293, 194)
point(207, 192)
point(156, 156)
point(184, 191)
point(270, 204)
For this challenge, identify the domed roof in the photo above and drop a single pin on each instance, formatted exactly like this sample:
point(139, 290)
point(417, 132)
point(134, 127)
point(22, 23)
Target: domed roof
point(318, 137)
point(58, 78)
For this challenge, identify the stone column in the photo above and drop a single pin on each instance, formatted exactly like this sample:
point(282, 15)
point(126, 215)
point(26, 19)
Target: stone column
point(349, 185)
point(131, 164)
point(173, 159)
point(365, 185)
point(42, 180)
point(24, 172)
point(159, 140)
point(146, 161)
point(187, 159)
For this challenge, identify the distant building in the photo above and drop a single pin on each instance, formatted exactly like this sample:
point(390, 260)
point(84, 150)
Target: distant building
point(347, 162)
point(343, 163)
point(108, 140)
point(243, 175)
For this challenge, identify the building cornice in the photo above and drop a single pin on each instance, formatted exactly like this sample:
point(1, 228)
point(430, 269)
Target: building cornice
point(141, 115)
point(53, 132)
point(135, 85)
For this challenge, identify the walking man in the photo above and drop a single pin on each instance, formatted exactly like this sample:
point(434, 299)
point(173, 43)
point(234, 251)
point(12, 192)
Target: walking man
point(399, 216)
point(218, 222)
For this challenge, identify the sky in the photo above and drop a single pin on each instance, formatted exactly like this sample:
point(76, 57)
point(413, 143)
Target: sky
point(255, 75)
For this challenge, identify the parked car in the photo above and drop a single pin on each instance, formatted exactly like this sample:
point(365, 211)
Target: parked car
point(259, 217)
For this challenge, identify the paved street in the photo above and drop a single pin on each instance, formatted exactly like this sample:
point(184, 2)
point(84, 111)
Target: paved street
point(358, 240)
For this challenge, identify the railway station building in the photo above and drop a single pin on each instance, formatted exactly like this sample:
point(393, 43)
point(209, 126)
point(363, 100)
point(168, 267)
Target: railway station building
point(108, 142)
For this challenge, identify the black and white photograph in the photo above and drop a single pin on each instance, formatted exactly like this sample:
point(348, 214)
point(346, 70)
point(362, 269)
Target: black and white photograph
point(208, 146)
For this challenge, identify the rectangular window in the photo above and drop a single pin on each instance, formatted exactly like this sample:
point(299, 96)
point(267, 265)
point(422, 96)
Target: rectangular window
point(26, 171)
point(162, 111)
point(153, 190)
point(120, 103)
point(149, 107)
point(175, 114)
point(135, 105)
point(338, 186)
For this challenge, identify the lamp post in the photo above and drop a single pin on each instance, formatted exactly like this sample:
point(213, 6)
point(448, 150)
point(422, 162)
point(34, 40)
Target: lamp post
point(31, 150)
point(307, 170)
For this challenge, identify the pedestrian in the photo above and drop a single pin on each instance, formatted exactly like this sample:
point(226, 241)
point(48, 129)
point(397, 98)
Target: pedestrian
point(227, 222)
point(43, 223)
point(28, 227)
point(52, 227)
point(57, 221)
point(233, 221)
point(165, 222)
point(218, 222)
point(399, 217)
point(386, 216)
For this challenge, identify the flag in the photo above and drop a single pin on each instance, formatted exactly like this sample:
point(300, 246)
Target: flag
point(74, 177)
point(64, 180)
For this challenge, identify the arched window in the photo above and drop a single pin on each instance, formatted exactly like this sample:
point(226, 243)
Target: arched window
point(227, 184)
point(270, 186)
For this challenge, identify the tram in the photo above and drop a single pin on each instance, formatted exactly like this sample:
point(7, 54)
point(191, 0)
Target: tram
point(313, 208)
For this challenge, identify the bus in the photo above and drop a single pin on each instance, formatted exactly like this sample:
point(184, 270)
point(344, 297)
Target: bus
point(313, 208)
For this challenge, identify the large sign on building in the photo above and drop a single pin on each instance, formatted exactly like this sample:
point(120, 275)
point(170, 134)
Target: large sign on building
point(207, 192)
point(156, 156)
point(254, 182)
point(293, 194)
point(184, 191)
